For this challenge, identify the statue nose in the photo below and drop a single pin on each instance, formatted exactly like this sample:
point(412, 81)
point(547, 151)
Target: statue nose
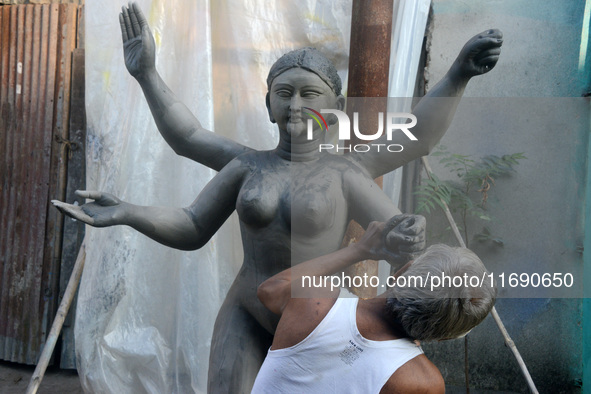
point(295, 103)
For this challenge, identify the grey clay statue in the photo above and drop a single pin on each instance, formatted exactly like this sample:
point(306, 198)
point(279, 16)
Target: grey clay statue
point(293, 201)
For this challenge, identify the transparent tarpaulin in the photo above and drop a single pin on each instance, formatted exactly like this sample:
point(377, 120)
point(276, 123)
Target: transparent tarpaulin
point(145, 311)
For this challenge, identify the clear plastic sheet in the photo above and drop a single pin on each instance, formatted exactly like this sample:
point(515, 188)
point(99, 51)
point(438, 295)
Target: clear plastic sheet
point(146, 312)
point(408, 30)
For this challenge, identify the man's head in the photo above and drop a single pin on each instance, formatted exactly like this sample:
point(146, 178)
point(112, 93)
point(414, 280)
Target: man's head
point(443, 294)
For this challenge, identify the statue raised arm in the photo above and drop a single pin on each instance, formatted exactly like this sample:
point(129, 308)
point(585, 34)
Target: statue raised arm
point(179, 127)
point(437, 108)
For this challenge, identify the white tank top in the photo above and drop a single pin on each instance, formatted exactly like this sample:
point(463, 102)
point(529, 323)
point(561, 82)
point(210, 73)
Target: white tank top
point(334, 358)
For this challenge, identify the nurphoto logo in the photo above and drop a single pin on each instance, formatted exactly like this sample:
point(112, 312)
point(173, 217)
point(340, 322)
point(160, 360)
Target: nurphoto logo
point(395, 122)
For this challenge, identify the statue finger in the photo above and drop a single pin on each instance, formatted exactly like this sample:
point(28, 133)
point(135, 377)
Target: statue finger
point(140, 15)
point(487, 43)
point(486, 60)
point(123, 28)
point(490, 33)
point(395, 221)
point(394, 239)
point(495, 33)
point(128, 25)
point(495, 51)
point(399, 239)
point(73, 211)
point(59, 205)
point(137, 30)
point(414, 225)
point(91, 194)
point(488, 63)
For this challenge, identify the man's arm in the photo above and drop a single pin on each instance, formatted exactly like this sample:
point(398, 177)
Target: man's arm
point(275, 292)
point(368, 203)
point(181, 130)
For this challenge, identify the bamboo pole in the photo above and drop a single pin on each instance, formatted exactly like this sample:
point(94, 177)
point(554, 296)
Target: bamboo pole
point(58, 322)
point(511, 345)
point(508, 341)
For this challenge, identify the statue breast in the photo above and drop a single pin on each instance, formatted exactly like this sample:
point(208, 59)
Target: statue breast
point(306, 201)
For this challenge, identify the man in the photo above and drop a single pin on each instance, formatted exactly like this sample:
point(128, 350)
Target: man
point(324, 343)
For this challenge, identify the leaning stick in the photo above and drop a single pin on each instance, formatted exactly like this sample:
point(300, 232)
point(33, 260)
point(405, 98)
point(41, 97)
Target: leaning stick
point(58, 322)
point(508, 341)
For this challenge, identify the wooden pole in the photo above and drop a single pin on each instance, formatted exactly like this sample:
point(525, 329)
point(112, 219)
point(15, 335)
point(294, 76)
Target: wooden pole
point(508, 341)
point(369, 69)
point(369, 55)
point(56, 327)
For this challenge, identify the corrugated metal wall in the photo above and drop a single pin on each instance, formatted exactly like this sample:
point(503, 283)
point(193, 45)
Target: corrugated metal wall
point(81, 2)
point(36, 45)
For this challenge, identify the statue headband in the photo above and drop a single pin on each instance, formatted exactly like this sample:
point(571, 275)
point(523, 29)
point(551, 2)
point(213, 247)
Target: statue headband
point(309, 59)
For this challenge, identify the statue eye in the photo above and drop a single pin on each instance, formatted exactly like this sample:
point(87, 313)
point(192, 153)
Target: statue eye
point(283, 93)
point(311, 94)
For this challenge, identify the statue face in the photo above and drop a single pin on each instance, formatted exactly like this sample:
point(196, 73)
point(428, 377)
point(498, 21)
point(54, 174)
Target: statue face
point(291, 91)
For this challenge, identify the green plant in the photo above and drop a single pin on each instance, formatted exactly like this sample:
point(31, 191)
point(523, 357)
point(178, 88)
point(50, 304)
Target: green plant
point(468, 195)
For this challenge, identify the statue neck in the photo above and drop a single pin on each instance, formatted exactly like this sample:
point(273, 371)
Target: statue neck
point(298, 151)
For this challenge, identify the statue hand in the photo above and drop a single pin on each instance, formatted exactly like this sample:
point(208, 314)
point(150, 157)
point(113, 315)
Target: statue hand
point(139, 49)
point(106, 210)
point(480, 54)
point(404, 238)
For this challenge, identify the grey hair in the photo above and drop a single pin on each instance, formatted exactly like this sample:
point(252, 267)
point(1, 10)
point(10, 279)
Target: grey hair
point(310, 59)
point(430, 313)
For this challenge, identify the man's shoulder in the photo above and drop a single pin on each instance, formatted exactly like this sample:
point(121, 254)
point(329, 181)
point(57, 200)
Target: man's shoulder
point(300, 317)
point(418, 375)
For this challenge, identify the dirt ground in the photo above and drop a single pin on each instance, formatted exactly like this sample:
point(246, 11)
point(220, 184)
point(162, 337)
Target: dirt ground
point(14, 379)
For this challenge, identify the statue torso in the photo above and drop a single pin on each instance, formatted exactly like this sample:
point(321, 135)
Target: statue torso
point(289, 212)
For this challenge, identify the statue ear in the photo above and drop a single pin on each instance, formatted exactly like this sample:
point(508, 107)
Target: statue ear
point(340, 102)
point(268, 102)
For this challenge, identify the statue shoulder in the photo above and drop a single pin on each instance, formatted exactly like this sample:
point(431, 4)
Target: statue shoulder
point(251, 159)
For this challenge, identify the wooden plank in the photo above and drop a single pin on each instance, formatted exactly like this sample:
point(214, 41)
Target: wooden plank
point(73, 230)
point(8, 116)
point(58, 164)
point(45, 299)
point(30, 253)
point(5, 114)
point(17, 280)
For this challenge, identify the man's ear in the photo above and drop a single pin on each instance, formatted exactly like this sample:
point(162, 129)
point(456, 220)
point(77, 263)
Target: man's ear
point(340, 102)
point(268, 103)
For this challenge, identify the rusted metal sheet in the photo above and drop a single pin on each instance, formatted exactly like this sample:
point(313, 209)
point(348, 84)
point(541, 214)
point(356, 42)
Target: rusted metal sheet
point(13, 2)
point(37, 43)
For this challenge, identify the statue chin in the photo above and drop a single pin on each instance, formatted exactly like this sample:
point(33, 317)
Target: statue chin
point(297, 131)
